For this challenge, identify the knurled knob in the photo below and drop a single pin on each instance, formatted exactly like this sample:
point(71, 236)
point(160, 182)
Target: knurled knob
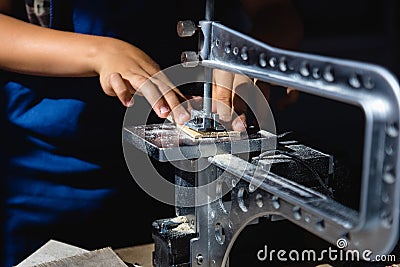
point(189, 59)
point(186, 28)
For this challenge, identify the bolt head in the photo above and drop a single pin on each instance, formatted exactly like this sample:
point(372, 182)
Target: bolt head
point(199, 259)
point(186, 28)
point(189, 59)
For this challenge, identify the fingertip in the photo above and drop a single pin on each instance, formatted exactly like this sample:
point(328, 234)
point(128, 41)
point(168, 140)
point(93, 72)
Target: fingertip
point(130, 102)
point(180, 114)
point(183, 117)
point(164, 110)
point(239, 125)
point(224, 117)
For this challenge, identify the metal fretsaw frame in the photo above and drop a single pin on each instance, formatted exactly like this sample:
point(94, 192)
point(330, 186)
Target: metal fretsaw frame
point(215, 226)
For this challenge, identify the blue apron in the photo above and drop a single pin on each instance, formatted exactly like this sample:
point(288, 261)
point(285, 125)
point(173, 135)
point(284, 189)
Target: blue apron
point(63, 174)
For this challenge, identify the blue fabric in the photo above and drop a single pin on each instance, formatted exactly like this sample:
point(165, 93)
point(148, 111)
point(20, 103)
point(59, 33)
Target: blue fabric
point(63, 171)
point(62, 166)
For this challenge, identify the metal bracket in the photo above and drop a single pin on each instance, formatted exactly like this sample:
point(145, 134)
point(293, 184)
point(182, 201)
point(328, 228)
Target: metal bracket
point(372, 88)
point(375, 226)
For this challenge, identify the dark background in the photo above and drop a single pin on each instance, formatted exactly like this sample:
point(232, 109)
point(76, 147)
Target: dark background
point(366, 30)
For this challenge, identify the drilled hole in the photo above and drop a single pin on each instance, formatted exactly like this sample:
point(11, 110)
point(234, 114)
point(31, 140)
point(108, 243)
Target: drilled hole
point(388, 175)
point(316, 73)
point(297, 213)
point(369, 83)
point(217, 43)
point(273, 62)
point(305, 69)
point(235, 51)
point(389, 150)
point(200, 259)
point(387, 219)
point(259, 200)
point(283, 66)
point(355, 81)
point(275, 202)
point(392, 130)
point(244, 53)
point(329, 74)
point(243, 197)
point(227, 47)
point(321, 225)
point(263, 60)
point(220, 234)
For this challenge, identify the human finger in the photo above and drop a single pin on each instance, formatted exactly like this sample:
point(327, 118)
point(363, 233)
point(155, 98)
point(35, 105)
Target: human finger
point(173, 97)
point(223, 93)
point(241, 88)
point(151, 93)
point(121, 89)
point(239, 123)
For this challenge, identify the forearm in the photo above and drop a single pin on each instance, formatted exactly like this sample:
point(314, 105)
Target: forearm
point(30, 49)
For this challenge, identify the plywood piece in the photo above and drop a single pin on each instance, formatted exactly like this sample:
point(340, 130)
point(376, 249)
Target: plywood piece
point(52, 250)
point(195, 134)
point(138, 255)
point(104, 257)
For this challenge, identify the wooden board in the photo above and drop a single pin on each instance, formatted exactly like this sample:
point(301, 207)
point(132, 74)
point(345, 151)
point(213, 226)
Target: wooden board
point(104, 257)
point(140, 255)
point(195, 134)
point(51, 251)
point(59, 254)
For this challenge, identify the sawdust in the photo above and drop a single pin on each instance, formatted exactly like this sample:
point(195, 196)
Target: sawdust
point(184, 228)
point(197, 135)
point(179, 219)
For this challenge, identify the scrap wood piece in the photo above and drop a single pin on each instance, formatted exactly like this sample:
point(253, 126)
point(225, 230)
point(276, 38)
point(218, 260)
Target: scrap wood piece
point(104, 257)
point(52, 250)
point(195, 134)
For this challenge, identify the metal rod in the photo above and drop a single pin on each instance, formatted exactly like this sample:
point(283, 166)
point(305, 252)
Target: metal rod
point(207, 97)
point(209, 9)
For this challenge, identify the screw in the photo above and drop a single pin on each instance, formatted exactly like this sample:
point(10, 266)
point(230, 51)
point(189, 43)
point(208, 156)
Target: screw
point(200, 259)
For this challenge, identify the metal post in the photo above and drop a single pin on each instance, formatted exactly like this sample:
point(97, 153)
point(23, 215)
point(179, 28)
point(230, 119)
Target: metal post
point(209, 9)
point(207, 100)
point(207, 97)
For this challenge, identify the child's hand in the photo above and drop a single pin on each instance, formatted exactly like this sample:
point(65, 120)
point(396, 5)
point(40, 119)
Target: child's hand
point(125, 70)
